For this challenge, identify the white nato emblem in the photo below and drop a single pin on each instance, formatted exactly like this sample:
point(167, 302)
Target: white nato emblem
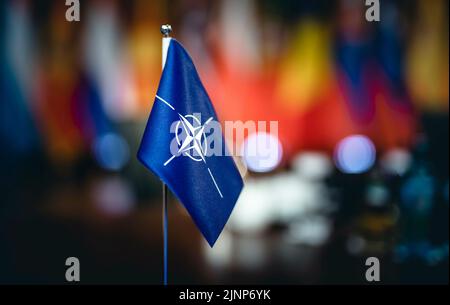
point(195, 139)
point(195, 144)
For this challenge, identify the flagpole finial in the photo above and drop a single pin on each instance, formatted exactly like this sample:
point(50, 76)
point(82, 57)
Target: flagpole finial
point(166, 29)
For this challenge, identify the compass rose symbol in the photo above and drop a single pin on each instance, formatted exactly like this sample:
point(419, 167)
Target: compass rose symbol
point(195, 138)
point(194, 145)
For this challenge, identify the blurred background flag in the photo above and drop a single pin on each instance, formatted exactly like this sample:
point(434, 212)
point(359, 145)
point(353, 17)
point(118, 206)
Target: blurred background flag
point(208, 186)
point(16, 68)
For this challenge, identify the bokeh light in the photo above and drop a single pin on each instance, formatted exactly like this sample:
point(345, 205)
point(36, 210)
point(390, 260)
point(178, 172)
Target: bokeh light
point(355, 154)
point(111, 151)
point(262, 152)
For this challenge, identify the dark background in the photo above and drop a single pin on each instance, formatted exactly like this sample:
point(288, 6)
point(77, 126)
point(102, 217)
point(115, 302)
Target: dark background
point(75, 98)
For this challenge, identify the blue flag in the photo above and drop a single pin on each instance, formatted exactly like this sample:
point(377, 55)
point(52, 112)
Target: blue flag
point(175, 146)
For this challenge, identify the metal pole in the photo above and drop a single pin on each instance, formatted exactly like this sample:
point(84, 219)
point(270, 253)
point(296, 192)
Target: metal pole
point(165, 231)
point(166, 29)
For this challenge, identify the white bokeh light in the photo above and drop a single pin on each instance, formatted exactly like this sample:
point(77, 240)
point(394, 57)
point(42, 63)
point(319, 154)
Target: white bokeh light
point(262, 152)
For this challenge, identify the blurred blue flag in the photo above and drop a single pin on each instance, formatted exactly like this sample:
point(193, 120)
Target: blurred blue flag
point(175, 146)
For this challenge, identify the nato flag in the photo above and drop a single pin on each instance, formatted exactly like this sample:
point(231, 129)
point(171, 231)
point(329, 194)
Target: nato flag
point(175, 146)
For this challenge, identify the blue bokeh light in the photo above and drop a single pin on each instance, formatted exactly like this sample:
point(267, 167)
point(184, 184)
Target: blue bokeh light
point(111, 151)
point(355, 154)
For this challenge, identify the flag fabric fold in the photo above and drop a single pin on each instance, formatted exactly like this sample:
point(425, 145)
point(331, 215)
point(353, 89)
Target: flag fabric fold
point(207, 185)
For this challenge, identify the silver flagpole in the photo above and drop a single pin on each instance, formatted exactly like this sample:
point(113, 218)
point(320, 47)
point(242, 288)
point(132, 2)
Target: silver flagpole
point(166, 29)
